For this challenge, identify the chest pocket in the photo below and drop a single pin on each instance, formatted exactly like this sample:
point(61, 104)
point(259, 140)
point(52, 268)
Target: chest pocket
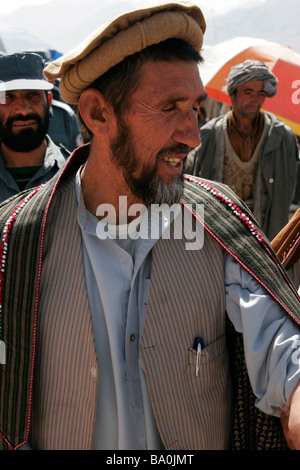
point(186, 300)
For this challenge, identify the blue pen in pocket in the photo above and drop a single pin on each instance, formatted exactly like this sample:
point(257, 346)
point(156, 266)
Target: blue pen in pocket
point(198, 349)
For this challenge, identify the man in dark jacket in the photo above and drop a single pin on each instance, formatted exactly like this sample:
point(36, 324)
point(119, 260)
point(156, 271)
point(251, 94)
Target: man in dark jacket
point(28, 157)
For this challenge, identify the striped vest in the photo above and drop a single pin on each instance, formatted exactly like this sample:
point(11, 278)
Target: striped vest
point(22, 252)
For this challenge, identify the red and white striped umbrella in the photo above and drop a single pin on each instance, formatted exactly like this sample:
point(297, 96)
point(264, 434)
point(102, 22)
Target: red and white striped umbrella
point(282, 60)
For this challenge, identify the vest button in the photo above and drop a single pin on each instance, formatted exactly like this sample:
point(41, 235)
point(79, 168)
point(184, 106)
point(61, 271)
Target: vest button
point(271, 180)
point(132, 337)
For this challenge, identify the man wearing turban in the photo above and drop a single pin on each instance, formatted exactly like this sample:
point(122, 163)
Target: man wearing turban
point(251, 151)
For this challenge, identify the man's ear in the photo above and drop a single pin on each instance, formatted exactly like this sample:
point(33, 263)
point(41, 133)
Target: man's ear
point(94, 110)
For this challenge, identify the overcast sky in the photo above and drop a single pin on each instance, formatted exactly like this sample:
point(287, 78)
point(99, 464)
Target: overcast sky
point(12, 5)
point(9, 6)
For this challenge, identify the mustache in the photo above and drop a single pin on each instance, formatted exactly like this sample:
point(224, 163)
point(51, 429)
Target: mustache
point(21, 117)
point(177, 149)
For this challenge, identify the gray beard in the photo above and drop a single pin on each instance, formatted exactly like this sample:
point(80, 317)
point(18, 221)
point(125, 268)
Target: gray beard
point(160, 193)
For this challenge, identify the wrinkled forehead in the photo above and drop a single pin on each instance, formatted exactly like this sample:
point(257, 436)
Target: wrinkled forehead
point(171, 77)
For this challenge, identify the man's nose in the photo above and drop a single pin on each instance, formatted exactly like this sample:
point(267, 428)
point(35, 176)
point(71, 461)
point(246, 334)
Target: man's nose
point(187, 129)
point(256, 99)
point(22, 105)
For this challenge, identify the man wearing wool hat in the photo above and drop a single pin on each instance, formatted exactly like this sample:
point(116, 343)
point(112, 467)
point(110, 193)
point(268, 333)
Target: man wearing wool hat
point(113, 331)
point(251, 151)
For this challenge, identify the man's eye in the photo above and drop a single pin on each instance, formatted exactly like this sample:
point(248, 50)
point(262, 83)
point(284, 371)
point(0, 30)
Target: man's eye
point(33, 95)
point(169, 109)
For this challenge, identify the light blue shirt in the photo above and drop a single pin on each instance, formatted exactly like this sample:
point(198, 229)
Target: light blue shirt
point(118, 280)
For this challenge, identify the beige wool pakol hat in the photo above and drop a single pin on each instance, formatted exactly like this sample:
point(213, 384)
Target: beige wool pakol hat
point(126, 35)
